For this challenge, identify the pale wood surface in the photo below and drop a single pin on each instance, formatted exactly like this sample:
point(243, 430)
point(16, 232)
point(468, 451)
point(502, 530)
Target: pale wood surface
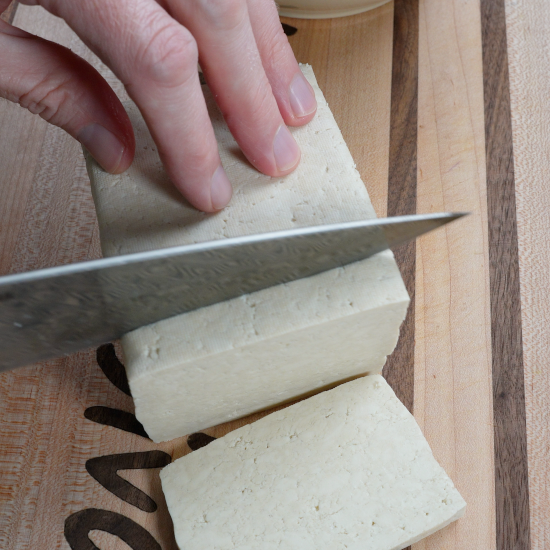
point(528, 29)
point(453, 340)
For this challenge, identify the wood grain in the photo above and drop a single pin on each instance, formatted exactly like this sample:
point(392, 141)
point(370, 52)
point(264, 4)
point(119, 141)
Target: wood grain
point(47, 218)
point(453, 341)
point(402, 180)
point(528, 36)
point(511, 469)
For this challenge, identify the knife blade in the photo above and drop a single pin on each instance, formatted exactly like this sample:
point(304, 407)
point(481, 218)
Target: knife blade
point(57, 311)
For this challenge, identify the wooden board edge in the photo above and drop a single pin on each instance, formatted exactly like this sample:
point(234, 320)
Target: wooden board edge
point(510, 428)
point(402, 181)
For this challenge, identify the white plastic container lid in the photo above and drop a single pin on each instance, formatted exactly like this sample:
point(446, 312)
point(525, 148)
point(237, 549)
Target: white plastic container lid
point(324, 9)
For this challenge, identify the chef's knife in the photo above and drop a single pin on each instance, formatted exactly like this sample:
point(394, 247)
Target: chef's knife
point(56, 311)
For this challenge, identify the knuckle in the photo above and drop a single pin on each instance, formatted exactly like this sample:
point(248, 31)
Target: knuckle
point(47, 99)
point(261, 101)
point(224, 13)
point(271, 37)
point(169, 56)
point(278, 48)
point(199, 159)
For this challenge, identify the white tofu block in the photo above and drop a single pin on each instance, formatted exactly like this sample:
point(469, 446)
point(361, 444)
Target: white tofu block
point(230, 359)
point(346, 469)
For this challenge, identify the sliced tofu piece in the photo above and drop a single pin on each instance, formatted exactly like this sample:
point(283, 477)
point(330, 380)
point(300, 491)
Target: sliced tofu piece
point(346, 469)
point(228, 360)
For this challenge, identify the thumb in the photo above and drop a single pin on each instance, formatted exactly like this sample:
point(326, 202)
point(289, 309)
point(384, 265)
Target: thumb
point(51, 81)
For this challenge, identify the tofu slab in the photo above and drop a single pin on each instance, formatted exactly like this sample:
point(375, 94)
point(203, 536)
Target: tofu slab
point(228, 360)
point(346, 469)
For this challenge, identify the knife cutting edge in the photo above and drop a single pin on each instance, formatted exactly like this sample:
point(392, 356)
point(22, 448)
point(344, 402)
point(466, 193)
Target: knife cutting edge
point(60, 310)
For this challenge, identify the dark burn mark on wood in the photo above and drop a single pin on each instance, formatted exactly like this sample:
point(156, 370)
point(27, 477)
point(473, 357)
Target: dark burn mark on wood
point(289, 30)
point(198, 440)
point(402, 181)
point(116, 418)
point(112, 368)
point(79, 524)
point(510, 431)
point(104, 469)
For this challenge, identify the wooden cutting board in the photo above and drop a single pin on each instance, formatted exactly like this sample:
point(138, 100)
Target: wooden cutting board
point(443, 106)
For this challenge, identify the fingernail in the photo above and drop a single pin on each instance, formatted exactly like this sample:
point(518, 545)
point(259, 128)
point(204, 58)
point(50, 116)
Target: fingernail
point(220, 189)
point(302, 98)
point(285, 149)
point(103, 145)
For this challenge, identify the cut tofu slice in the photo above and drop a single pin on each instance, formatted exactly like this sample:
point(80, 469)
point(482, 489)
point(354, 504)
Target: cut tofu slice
point(346, 469)
point(231, 359)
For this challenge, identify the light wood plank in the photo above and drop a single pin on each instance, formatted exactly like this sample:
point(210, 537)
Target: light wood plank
point(528, 30)
point(509, 420)
point(453, 353)
point(403, 182)
point(18, 160)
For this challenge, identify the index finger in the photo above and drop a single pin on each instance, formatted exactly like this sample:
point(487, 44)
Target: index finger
point(156, 59)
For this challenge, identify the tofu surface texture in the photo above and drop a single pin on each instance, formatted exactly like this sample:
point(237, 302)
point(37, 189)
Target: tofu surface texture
point(230, 359)
point(346, 469)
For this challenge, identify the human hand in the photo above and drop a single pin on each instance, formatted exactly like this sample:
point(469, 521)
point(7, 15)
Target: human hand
point(153, 48)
